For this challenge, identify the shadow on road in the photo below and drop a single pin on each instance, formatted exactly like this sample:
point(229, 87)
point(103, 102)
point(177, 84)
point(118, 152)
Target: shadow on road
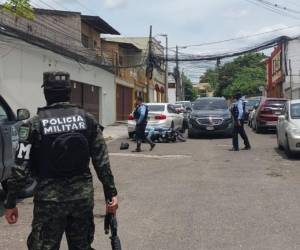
point(210, 137)
point(285, 157)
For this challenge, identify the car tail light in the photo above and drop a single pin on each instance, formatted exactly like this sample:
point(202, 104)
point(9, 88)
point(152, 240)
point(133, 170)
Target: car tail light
point(130, 118)
point(160, 117)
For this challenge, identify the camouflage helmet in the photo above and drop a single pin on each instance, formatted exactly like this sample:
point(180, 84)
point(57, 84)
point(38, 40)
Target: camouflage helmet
point(55, 81)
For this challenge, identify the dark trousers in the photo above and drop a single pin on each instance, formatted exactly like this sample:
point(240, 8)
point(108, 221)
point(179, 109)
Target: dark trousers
point(239, 130)
point(140, 135)
point(52, 219)
point(140, 132)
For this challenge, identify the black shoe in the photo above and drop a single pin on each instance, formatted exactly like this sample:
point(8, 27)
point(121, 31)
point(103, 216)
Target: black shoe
point(137, 150)
point(247, 148)
point(152, 146)
point(233, 149)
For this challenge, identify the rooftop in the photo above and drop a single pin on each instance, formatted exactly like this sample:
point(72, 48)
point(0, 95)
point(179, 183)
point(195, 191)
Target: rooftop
point(99, 25)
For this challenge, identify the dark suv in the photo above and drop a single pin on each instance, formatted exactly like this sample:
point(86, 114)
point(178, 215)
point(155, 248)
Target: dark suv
point(210, 115)
point(267, 113)
point(9, 125)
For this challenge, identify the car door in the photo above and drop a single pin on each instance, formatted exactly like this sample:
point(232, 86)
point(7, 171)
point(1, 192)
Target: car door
point(9, 139)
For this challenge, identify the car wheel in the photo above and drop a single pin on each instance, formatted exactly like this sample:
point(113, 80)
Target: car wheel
point(172, 125)
point(257, 128)
point(287, 149)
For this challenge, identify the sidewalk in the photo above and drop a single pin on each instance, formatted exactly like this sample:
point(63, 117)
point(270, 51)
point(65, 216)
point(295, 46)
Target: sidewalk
point(116, 131)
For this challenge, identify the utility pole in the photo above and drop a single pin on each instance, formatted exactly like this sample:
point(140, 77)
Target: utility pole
point(149, 70)
point(183, 87)
point(291, 78)
point(177, 76)
point(167, 70)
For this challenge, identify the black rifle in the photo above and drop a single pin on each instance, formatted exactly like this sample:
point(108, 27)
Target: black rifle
point(110, 223)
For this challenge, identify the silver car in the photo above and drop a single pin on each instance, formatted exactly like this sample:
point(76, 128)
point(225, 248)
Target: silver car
point(288, 128)
point(161, 115)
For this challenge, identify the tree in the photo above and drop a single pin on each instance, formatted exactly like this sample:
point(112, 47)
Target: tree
point(211, 77)
point(189, 92)
point(245, 73)
point(19, 8)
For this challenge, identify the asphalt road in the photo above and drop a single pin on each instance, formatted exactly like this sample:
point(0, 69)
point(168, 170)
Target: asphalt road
point(196, 195)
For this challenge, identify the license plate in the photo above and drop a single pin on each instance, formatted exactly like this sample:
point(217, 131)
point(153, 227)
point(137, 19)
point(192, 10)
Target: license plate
point(277, 113)
point(210, 128)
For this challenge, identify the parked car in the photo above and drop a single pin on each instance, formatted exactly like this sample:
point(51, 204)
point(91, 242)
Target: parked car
point(288, 128)
point(267, 113)
point(9, 125)
point(251, 103)
point(210, 115)
point(251, 116)
point(161, 115)
point(179, 108)
point(186, 104)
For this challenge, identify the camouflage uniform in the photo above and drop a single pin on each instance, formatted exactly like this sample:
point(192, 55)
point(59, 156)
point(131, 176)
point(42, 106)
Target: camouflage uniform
point(64, 204)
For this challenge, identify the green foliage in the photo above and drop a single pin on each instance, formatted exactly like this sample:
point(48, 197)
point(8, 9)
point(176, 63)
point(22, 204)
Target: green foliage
point(246, 73)
point(19, 8)
point(211, 77)
point(189, 91)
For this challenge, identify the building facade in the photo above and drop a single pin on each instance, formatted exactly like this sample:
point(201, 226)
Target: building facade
point(123, 55)
point(57, 41)
point(275, 73)
point(291, 67)
point(153, 90)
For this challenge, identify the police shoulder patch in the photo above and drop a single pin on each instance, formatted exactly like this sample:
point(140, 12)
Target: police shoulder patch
point(23, 133)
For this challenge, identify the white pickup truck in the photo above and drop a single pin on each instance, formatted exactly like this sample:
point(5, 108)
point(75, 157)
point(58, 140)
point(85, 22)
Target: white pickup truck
point(9, 125)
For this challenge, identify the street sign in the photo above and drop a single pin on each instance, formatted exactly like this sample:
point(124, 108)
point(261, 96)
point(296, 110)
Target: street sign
point(261, 88)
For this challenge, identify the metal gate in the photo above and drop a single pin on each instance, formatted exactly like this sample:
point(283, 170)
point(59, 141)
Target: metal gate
point(87, 97)
point(124, 102)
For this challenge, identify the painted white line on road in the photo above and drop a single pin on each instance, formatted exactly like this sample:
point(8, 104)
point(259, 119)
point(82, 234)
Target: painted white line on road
point(165, 157)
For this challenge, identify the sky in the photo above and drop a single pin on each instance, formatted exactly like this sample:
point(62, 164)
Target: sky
point(189, 22)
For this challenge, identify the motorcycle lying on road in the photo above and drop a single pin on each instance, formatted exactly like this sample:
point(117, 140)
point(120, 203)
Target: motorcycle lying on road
point(165, 135)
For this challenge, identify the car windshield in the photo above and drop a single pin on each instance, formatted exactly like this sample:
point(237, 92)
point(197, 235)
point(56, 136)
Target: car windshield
point(156, 108)
point(295, 111)
point(210, 104)
point(252, 103)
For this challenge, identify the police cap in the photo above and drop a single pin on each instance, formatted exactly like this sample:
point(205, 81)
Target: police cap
point(56, 81)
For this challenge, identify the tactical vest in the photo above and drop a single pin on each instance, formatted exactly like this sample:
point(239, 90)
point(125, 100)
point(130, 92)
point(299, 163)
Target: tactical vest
point(63, 149)
point(137, 114)
point(235, 111)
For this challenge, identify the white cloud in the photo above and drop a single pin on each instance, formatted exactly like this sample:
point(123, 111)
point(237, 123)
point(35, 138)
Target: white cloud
point(115, 4)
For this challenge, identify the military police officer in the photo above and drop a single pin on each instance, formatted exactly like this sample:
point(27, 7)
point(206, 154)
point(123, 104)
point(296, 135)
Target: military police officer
point(55, 147)
point(238, 112)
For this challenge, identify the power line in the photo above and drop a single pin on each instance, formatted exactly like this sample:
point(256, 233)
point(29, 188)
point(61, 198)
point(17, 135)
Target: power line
point(273, 9)
point(236, 38)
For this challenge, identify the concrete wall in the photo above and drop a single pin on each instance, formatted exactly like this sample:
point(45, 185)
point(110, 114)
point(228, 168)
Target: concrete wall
point(292, 53)
point(21, 74)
